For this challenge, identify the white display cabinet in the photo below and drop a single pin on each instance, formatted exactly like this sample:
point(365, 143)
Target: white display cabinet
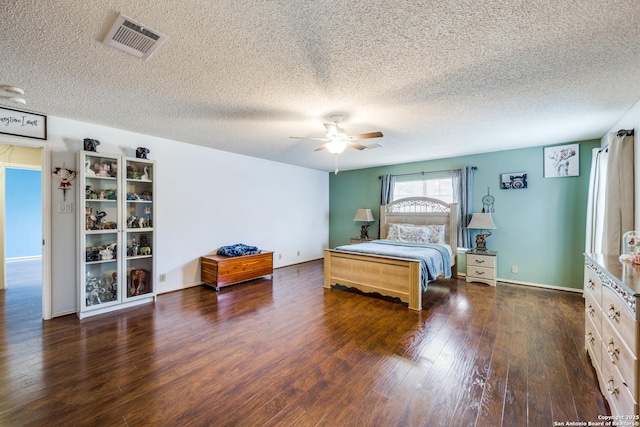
point(116, 230)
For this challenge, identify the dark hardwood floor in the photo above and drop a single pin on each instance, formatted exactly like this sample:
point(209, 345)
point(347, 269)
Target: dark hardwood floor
point(287, 352)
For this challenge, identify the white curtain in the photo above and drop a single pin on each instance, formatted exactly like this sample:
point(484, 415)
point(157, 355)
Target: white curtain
point(610, 208)
point(618, 215)
point(596, 200)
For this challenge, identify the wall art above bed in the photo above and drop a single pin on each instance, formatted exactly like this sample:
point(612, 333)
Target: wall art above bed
point(513, 180)
point(561, 161)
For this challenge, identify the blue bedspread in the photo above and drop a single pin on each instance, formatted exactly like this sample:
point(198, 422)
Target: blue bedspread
point(434, 259)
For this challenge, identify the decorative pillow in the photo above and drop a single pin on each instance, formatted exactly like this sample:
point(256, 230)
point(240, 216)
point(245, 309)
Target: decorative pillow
point(416, 233)
point(413, 234)
point(392, 234)
point(436, 234)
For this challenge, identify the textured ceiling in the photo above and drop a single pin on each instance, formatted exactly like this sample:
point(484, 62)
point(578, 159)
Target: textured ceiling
point(439, 78)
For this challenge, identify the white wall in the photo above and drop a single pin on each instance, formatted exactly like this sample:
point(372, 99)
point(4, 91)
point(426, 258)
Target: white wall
point(205, 198)
point(631, 120)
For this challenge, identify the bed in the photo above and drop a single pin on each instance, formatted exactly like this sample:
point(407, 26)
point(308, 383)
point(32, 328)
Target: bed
point(399, 275)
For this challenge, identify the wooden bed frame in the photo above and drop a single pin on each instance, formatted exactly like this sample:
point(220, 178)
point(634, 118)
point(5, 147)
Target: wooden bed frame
point(390, 276)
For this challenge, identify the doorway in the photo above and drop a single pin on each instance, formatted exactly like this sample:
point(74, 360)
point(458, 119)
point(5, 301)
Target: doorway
point(21, 220)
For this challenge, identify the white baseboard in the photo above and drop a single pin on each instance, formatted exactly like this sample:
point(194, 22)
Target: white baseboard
point(539, 285)
point(533, 285)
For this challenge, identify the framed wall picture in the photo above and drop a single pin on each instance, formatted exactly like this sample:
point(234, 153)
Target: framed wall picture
point(22, 123)
point(562, 161)
point(513, 180)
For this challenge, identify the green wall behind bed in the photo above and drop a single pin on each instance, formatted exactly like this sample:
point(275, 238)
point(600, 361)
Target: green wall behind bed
point(541, 229)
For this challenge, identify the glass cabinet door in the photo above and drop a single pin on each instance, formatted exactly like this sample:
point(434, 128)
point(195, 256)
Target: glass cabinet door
point(99, 235)
point(139, 227)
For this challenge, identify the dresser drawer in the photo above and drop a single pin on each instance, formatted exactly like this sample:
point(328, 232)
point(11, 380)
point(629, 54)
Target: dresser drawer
point(593, 342)
point(617, 313)
point(481, 272)
point(592, 311)
point(480, 261)
point(617, 353)
point(592, 285)
point(620, 397)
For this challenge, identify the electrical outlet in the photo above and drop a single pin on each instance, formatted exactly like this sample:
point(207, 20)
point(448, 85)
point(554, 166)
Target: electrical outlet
point(514, 269)
point(298, 253)
point(163, 277)
point(279, 256)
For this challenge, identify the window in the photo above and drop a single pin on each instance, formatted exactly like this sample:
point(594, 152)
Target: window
point(435, 187)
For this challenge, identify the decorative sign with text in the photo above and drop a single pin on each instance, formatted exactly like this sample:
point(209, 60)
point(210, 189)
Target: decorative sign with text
point(22, 123)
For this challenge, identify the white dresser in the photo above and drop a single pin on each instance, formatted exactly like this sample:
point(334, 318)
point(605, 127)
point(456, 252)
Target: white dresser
point(611, 291)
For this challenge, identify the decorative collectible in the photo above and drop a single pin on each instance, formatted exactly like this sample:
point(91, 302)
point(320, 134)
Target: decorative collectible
point(65, 176)
point(91, 144)
point(141, 152)
point(138, 282)
point(487, 203)
point(146, 176)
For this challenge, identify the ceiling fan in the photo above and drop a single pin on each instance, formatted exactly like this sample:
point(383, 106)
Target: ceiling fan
point(337, 140)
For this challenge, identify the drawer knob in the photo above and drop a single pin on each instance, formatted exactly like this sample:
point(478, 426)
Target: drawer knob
point(590, 338)
point(612, 349)
point(611, 388)
point(479, 261)
point(590, 310)
point(591, 285)
point(480, 272)
point(613, 313)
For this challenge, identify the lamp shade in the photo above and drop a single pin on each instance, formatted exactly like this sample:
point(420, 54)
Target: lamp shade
point(364, 215)
point(482, 221)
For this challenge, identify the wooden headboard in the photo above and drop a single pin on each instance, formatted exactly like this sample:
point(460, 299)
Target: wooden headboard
point(421, 211)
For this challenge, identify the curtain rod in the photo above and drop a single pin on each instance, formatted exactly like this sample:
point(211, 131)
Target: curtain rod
point(423, 172)
point(625, 132)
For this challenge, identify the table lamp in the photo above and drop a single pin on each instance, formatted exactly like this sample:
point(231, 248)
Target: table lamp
point(364, 215)
point(482, 221)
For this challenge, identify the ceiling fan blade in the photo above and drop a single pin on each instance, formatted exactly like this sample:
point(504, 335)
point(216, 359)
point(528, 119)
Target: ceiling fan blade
point(357, 146)
point(310, 139)
point(366, 135)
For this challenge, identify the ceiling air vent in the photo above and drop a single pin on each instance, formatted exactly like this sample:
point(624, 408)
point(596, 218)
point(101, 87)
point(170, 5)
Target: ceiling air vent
point(133, 38)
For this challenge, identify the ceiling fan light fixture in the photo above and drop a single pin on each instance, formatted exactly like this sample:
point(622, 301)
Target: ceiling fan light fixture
point(12, 94)
point(336, 146)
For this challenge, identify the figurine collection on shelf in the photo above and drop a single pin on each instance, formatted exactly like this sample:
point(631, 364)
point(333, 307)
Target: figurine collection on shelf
point(145, 195)
point(134, 173)
point(109, 194)
point(103, 170)
point(118, 203)
point(102, 253)
point(94, 220)
point(99, 291)
point(141, 248)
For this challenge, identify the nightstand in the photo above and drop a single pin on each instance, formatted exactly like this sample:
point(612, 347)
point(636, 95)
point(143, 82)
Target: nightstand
point(356, 240)
point(482, 267)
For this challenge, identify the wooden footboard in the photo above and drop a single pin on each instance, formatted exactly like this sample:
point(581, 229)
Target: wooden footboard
point(394, 277)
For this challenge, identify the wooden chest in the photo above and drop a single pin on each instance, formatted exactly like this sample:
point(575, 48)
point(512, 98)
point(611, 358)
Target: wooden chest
point(219, 270)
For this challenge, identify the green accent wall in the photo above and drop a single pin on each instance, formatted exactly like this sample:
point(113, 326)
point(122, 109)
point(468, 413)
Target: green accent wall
point(541, 229)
